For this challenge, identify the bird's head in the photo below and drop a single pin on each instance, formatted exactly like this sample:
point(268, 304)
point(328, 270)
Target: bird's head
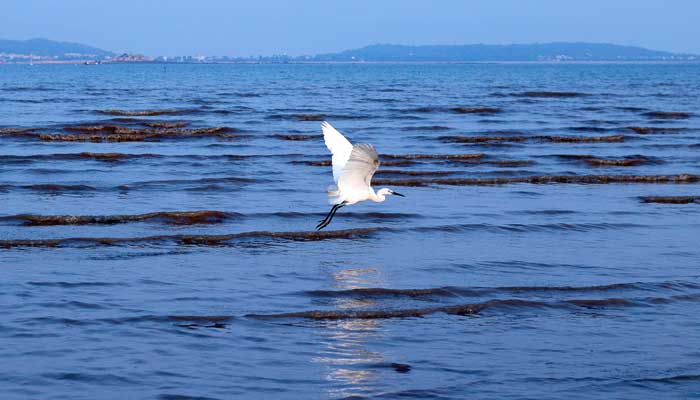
point(386, 191)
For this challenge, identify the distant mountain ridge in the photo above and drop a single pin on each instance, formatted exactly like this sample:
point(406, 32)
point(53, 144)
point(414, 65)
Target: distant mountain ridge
point(563, 51)
point(49, 49)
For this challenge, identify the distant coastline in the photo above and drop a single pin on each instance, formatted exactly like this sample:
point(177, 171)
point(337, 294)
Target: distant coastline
point(87, 61)
point(44, 51)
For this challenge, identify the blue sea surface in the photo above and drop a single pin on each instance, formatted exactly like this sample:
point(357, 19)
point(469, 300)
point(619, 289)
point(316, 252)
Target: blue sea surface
point(157, 232)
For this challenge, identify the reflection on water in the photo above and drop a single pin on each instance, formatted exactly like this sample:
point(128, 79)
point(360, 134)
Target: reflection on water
point(346, 354)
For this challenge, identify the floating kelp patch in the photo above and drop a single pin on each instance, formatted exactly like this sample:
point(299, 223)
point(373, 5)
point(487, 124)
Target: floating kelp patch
point(298, 137)
point(113, 157)
point(95, 128)
point(642, 130)
point(192, 240)
point(668, 114)
point(167, 124)
point(125, 134)
point(671, 199)
point(625, 162)
point(15, 131)
point(628, 161)
point(533, 138)
point(167, 217)
point(545, 179)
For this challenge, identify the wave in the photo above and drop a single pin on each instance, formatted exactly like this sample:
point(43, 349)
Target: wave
point(669, 379)
point(49, 188)
point(630, 108)
point(328, 163)
point(316, 117)
point(29, 89)
point(156, 184)
point(453, 291)
point(185, 217)
point(523, 228)
point(545, 179)
point(457, 110)
point(380, 100)
point(394, 172)
point(223, 179)
point(460, 309)
point(511, 163)
point(240, 94)
point(432, 156)
point(149, 113)
point(191, 240)
point(589, 129)
point(548, 94)
point(106, 157)
point(384, 292)
point(475, 110)
point(668, 114)
point(538, 138)
point(426, 128)
point(73, 285)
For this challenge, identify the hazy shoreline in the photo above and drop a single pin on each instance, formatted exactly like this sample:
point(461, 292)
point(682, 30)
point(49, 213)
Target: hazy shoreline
point(83, 62)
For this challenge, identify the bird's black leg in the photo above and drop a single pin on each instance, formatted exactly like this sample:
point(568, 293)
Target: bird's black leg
point(323, 221)
point(333, 209)
point(329, 217)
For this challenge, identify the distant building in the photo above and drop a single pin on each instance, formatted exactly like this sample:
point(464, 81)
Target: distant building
point(131, 58)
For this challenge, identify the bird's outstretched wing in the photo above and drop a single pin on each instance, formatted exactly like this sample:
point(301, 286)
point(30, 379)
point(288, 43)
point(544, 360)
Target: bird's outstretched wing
point(359, 169)
point(339, 147)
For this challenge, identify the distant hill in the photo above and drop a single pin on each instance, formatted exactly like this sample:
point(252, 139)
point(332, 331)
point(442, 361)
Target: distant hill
point(511, 52)
point(48, 49)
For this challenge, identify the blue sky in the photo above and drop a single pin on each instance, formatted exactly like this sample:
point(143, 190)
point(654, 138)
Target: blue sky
point(241, 28)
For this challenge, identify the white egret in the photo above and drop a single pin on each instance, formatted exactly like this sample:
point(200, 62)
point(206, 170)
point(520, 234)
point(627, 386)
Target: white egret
point(353, 167)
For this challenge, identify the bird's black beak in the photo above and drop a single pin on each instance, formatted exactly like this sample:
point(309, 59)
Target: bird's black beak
point(397, 194)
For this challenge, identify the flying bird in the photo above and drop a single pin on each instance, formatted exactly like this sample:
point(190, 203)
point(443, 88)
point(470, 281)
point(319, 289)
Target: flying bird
point(353, 168)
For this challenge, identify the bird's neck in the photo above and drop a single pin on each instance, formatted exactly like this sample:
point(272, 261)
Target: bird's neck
point(377, 198)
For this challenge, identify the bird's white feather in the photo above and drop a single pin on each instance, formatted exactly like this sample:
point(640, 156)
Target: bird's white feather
point(357, 174)
point(339, 146)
